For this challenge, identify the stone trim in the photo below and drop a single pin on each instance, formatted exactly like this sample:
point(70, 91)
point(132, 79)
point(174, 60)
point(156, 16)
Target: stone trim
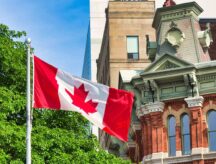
point(178, 153)
point(199, 150)
point(194, 101)
point(153, 107)
point(163, 157)
point(150, 108)
point(206, 77)
point(210, 155)
point(157, 156)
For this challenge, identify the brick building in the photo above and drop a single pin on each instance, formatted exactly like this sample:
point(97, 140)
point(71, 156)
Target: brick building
point(174, 81)
point(176, 94)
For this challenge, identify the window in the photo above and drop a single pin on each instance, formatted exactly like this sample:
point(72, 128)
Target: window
point(132, 47)
point(212, 130)
point(185, 132)
point(172, 135)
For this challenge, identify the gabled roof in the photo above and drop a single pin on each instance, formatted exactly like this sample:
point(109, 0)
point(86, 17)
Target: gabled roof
point(167, 62)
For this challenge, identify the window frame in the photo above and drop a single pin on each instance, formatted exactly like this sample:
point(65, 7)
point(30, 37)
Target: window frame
point(182, 134)
point(210, 131)
point(138, 53)
point(169, 136)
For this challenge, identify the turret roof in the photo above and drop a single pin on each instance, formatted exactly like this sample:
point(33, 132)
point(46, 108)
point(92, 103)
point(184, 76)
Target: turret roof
point(169, 3)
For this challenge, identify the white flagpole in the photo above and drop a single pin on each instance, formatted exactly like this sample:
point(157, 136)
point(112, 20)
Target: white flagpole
point(28, 104)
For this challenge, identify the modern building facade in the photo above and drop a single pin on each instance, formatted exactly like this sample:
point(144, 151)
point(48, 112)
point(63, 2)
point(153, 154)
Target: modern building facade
point(172, 76)
point(94, 38)
point(86, 72)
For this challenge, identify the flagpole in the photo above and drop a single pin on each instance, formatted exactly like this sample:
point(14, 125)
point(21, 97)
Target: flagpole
point(28, 104)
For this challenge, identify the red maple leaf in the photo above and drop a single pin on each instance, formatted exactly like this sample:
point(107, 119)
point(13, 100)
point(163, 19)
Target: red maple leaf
point(79, 98)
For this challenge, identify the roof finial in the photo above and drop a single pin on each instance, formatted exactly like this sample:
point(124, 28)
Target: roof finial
point(169, 3)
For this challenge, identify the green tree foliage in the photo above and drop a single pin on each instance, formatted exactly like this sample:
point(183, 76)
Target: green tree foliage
point(57, 136)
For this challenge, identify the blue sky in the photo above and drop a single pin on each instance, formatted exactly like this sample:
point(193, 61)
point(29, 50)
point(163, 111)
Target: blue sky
point(57, 28)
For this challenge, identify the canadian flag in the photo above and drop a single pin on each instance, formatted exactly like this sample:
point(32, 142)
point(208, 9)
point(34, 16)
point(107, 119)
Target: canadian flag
point(108, 108)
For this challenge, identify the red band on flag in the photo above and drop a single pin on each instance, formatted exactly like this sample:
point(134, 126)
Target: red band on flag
point(118, 113)
point(45, 85)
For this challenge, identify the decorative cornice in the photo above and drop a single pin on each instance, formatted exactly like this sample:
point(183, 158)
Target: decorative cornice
point(178, 11)
point(150, 108)
point(194, 101)
point(128, 61)
point(153, 107)
point(206, 77)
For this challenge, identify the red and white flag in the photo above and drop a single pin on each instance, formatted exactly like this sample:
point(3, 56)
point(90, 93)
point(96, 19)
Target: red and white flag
point(108, 108)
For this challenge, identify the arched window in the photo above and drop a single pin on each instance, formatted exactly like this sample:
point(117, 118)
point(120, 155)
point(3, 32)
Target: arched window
point(172, 135)
point(212, 130)
point(185, 132)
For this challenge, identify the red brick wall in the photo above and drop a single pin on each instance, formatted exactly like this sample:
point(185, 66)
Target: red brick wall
point(154, 128)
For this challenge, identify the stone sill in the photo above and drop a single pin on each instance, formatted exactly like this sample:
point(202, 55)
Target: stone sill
point(162, 158)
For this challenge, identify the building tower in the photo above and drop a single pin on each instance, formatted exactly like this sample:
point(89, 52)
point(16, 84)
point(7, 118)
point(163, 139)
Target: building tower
point(177, 26)
point(124, 48)
point(94, 38)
